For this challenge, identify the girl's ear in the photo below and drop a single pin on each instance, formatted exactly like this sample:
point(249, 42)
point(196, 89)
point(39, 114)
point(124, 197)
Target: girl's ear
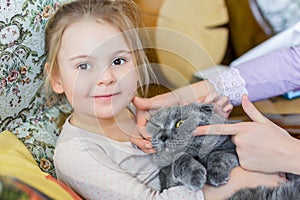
point(55, 80)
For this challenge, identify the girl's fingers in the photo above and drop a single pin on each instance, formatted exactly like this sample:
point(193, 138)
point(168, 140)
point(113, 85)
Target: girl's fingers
point(143, 144)
point(201, 99)
point(222, 101)
point(142, 118)
point(143, 132)
point(142, 104)
point(228, 108)
point(209, 98)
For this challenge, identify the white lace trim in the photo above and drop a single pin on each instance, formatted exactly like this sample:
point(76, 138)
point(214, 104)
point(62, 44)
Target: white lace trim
point(230, 84)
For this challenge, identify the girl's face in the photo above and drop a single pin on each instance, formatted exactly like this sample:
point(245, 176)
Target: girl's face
point(97, 70)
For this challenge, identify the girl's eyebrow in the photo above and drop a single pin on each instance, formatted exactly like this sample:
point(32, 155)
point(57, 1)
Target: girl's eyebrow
point(90, 56)
point(122, 51)
point(79, 57)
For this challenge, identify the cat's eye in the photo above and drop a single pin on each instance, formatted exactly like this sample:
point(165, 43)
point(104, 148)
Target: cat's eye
point(178, 124)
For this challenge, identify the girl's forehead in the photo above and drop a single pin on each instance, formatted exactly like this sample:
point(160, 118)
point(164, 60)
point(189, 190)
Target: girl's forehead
point(92, 36)
point(85, 29)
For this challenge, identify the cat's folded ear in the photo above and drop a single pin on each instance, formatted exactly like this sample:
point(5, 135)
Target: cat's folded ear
point(207, 108)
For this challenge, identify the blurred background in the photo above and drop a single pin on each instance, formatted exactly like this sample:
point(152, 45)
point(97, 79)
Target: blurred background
point(197, 38)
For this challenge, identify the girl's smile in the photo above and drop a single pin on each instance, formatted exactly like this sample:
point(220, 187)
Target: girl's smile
point(106, 97)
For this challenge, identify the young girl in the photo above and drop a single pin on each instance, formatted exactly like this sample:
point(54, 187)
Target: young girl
point(95, 58)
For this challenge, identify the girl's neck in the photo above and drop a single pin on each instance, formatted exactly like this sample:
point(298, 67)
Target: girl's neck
point(118, 128)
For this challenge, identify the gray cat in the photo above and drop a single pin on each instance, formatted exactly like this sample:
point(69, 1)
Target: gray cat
point(184, 158)
point(192, 161)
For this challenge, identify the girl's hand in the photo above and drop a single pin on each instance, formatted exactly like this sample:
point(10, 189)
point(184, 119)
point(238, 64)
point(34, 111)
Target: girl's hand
point(143, 109)
point(222, 105)
point(142, 116)
point(261, 145)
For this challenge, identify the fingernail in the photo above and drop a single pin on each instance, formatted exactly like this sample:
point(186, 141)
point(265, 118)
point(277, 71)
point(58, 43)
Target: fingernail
point(153, 151)
point(148, 145)
point(245, 96)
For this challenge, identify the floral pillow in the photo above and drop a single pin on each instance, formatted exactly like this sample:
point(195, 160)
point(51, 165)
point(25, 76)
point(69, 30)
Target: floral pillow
point(24, 109)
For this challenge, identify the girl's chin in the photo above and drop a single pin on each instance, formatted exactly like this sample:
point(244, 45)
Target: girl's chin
point(104, 116)
point(101, 114)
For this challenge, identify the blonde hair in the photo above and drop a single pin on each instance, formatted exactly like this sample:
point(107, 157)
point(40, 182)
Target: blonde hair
point(122, 14)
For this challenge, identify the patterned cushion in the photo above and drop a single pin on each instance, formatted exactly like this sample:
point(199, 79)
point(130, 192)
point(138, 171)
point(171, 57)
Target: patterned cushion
point(24, 109)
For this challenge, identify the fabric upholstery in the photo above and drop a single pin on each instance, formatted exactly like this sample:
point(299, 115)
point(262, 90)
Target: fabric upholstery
point(24, 108)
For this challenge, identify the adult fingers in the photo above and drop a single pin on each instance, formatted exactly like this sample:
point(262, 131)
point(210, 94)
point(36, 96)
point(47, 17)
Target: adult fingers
point(251, 111)
point(217, 129)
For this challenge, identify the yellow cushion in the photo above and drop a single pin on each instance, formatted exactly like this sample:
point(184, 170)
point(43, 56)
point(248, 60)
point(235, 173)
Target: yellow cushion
point(17, 162)
point(187, 37)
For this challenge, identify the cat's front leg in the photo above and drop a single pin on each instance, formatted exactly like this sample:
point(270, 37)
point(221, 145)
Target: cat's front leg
point(219, 166)
point(189, 171)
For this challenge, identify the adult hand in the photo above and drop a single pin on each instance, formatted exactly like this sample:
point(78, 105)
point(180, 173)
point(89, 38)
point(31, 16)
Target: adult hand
point(261, 145)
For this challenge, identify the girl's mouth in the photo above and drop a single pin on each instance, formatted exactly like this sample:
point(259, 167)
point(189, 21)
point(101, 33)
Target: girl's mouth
point(105, 96)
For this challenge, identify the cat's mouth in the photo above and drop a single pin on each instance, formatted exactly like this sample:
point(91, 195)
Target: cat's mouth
point(163, 147)
point(158, 146)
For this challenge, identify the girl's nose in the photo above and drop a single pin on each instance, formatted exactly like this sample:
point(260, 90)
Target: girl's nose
point(106, 77)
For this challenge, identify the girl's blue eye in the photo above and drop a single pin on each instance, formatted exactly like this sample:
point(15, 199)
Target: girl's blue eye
point(84, 66)
point(118, 61)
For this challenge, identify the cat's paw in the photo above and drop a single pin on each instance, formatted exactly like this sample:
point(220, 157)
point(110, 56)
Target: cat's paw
point(195, 179)
point(219, 167)
point(217, 176)
point(189, 172)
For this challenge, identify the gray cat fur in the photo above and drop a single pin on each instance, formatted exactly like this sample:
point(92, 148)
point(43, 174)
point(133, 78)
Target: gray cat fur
point(286, 191)
point(184, 158)
point(193, 161)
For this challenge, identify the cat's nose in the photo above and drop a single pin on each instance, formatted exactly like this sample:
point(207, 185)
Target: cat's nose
point(164, 138)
